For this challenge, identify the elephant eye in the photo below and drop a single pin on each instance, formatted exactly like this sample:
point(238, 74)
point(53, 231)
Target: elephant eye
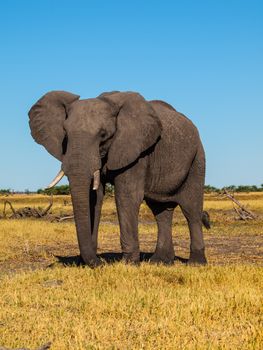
point(103, 133)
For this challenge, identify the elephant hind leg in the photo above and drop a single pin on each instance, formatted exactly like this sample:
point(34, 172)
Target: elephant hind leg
point(164, 252)
point(191, 202)
point(190, 199)
point(197, 246)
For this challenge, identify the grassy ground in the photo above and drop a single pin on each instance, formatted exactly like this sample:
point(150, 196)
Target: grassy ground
point(45, 297)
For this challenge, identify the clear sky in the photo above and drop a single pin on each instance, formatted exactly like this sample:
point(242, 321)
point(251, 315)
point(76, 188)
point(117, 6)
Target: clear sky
point(204, 57)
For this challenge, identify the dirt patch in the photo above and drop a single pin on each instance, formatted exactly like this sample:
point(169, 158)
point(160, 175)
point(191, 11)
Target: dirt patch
point(222, 250)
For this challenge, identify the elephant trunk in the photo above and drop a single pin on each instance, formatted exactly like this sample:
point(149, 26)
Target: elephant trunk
point(81, 164)
point(80, 192)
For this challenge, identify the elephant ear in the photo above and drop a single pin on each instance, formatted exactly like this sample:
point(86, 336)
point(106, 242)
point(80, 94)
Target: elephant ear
point(138, 128)
point(46, 120)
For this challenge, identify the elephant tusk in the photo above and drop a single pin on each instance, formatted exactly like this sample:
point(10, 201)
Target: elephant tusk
point(96, 180)
point(57, 179)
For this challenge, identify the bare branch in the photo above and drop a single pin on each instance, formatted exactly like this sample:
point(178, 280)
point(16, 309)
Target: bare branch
point(11, 207)
point(49, 207)
point(242, 212)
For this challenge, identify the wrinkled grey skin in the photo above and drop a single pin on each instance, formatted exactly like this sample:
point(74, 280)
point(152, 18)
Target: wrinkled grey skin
point(147, 149)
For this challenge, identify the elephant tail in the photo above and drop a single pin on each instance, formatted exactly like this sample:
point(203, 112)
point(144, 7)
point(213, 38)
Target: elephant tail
point(206, 220)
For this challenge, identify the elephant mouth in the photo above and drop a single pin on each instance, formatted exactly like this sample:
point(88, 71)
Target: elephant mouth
point(103, 153)
point(60, 175)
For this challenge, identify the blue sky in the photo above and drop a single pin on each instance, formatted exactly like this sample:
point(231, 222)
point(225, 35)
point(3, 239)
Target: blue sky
point(204, 57)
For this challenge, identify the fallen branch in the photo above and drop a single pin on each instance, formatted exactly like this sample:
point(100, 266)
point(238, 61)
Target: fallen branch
point(26, 212)
point(243, 213)
point(49, 207)
point(11, 207)
point(63, 218)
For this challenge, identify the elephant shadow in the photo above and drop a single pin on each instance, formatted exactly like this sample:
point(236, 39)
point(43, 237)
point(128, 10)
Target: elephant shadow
point(108, 257)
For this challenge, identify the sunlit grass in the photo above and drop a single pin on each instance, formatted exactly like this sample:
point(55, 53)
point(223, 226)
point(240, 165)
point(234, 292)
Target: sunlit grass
point(218, 306)
point(124, 307)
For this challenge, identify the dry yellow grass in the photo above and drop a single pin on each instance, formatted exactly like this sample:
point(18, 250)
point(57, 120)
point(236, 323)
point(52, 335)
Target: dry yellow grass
point(123, 307)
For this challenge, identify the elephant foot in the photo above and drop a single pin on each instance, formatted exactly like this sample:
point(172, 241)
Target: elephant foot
point(158, 258)
point(131, 258)
point(197, 258)
point(93, 262)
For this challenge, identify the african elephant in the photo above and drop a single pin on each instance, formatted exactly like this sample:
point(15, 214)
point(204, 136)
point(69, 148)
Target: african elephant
point(148, 151)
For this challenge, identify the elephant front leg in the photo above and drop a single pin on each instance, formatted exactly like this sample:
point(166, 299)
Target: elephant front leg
point(128, 211)
point(129, 193)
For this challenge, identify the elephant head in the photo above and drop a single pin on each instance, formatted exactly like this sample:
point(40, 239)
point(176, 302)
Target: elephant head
point(116, 127)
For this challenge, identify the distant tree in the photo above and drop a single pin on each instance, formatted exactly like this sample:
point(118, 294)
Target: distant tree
point(244, 188)
point(64, 190)
point(5, 191)
point(210, 189)
point(231, 188)
point(57, 190)
point(247, 188)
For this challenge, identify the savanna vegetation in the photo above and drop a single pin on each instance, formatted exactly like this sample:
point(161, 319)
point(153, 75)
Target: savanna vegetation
point(64, 189)
point(45, 296)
